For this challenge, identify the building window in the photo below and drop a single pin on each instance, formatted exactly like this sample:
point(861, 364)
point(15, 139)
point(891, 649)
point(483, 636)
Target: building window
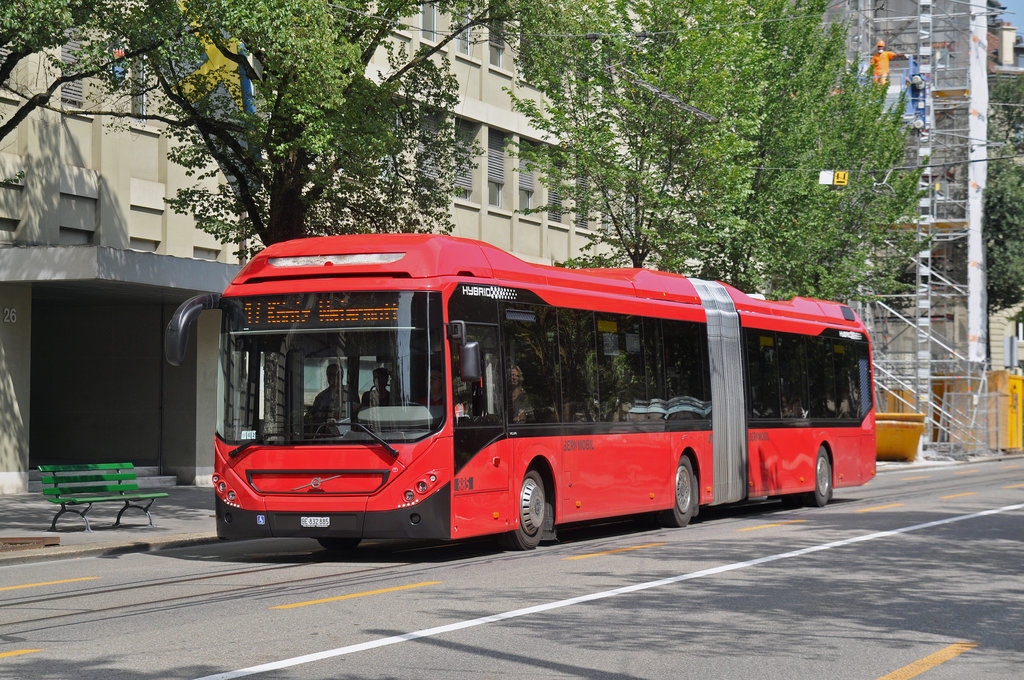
point(464, 174)
point(428, 14)
point(495, 166)
point(497, 44)
point(581, 217)
point(71, 93)
point(554, 206)
point(138, 88)
point(463, 41)
point(428, 163)
point(525, 185)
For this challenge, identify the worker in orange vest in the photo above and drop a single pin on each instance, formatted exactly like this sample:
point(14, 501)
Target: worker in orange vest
point(880, 63)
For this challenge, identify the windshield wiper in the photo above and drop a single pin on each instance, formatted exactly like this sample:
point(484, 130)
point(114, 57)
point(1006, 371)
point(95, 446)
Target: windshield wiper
point(376, 437)
point(235, 451)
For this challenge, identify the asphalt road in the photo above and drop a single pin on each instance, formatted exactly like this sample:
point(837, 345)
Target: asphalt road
point(918, 574)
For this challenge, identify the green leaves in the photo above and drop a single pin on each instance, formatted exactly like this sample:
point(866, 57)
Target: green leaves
point(736, 199)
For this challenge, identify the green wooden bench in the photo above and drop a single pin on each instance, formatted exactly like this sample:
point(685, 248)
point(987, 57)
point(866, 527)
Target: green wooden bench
point(90, 483)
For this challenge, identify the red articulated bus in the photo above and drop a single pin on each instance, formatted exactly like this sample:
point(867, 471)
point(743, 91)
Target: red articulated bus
point(431, 387)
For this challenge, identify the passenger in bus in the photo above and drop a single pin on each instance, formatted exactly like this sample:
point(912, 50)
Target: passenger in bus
point(520, 410)
point(844, 402)
point(378, 395)
point(333, 401)
point(793, 408)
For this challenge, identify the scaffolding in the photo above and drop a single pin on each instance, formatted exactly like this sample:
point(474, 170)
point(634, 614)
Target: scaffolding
point(930, 344)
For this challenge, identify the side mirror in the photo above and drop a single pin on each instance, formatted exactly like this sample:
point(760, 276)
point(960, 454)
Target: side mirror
point(469, 360)
point(176, 335)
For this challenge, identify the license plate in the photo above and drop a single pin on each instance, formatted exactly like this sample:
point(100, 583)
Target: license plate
point(315, 522)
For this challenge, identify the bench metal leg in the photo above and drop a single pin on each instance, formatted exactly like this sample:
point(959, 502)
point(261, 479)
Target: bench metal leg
point(81, 513)
point(144, 508)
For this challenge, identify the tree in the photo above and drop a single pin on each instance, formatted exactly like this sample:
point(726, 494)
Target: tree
point(735, 197)
point(345, 130)
point(1004, 197)
point(75, 40)
point(637, 122)
point(317, 114)
point(818, 113)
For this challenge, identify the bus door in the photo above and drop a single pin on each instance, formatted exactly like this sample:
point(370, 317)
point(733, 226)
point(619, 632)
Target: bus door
point(482, 456)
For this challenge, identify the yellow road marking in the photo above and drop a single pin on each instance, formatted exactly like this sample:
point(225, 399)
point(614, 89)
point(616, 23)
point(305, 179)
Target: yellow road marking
point(348, 597)
point(777, 524)
point(910, 479)
point(965, 472)
point(18, 651)
point(50, 583)
point(1013, 486)
point(880, 507)
point(958, 495)
point(1009, 467)
point(930, 661)
point(609, 552)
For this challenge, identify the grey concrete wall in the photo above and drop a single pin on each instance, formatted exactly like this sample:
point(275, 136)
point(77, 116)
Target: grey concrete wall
point(15, 386)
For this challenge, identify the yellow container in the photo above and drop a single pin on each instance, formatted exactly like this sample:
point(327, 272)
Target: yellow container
point(897, 435)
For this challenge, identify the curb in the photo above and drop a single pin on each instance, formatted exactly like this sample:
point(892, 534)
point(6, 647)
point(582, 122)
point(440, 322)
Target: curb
point(45, 554)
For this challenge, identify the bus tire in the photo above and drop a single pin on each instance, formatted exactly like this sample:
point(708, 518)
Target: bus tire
point(685, 506)
point(533, 508)
point(822, 493)
point(338, 545)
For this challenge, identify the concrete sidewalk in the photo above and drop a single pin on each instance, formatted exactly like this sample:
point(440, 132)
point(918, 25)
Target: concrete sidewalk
point(185, 517)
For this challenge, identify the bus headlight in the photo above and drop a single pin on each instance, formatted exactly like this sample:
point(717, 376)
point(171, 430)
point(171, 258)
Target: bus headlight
point(421, 486)
point(409, 496)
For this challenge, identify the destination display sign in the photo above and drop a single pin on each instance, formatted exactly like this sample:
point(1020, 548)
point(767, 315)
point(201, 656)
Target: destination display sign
point(319, 310)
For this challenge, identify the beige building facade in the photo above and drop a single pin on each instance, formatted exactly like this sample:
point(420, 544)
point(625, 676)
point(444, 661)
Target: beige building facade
point(93, 263)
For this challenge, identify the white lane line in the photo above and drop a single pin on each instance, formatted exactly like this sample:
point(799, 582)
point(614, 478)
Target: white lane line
point(536, 609)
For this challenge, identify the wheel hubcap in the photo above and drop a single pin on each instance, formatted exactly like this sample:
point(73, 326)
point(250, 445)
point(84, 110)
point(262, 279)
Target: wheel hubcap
point(824, 476)
point(683, 489)
point(531, 506)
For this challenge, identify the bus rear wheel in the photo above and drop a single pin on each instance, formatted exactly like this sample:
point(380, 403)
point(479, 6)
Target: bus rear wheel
point(685, 506)
point(533, 509)
point(822, 493)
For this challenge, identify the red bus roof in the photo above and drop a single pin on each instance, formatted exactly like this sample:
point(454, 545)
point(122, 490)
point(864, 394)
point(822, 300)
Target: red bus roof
point(423, 256)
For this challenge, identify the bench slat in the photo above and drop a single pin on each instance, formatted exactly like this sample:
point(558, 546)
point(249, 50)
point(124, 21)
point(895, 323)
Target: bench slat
point(71, 479)
point(86, 466)
point(90, 488)
point(100, 499)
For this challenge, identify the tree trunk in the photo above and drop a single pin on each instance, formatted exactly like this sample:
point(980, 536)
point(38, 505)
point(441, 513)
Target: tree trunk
point(287, 219)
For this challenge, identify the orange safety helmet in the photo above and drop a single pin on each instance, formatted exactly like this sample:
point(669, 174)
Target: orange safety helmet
point(881, 43)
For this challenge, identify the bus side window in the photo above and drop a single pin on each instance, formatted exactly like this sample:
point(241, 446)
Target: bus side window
point(792, 375)
point(762, 374)
point(846, 380)
point(576, 349)
point(821, 378)
point(531, 348)
point(686, 370)
point(622, 381)
point(481, 401)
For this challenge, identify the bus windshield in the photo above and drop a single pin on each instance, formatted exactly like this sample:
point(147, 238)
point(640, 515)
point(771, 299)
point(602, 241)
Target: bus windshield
point(321, 368)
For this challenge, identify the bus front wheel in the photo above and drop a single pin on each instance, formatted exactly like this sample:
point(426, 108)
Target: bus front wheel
point(533, 508)
point(822, 493)
point(685, 506)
